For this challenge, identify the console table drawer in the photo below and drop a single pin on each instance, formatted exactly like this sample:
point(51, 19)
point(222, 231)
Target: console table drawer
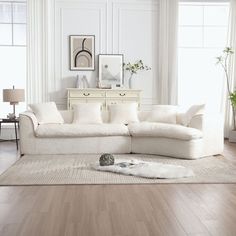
point(130, 100)
point(119, 101)
point(113, 102)
point(86, 94)
point(104, 96)
point(79, 101)
point(122, 94)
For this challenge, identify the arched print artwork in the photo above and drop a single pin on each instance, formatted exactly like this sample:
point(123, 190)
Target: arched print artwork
point(82, 52)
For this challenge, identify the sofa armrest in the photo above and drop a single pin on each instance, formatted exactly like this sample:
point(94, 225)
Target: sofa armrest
point(28, 125)
point(28, 115)
point(213, 132)
point(208, 122)
point(197, 122)
point(214, 124)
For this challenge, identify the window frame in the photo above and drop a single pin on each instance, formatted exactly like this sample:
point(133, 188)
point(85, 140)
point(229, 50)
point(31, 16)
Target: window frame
point(12, 24)
point(202, 26)
point(204, 47)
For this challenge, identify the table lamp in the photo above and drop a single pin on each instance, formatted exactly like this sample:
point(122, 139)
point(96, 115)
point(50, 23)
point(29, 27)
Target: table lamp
point(14, 96)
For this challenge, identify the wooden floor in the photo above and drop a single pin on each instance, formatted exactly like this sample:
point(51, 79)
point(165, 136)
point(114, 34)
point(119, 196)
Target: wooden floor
point(107, 210)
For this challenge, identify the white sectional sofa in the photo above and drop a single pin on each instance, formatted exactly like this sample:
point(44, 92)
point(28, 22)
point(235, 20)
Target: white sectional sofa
point(202, 137)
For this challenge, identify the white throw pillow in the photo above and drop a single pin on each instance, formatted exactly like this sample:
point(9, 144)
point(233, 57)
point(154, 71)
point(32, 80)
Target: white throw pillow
point(124, 113)
point(194, 110)
point(87, 113)
point(47, 113)
point(163, 114)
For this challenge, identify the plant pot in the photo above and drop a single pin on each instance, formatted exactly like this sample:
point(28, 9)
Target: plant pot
point(232, 136)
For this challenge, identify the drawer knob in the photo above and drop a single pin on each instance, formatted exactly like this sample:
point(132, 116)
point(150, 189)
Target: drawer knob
point(122, 94)
point(86, 94)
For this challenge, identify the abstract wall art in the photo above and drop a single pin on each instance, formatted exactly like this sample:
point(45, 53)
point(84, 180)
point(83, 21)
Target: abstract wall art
point(82, 52)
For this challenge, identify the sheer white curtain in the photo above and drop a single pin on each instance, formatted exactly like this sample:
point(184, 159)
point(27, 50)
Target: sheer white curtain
point(39, 51)
point(167, 67)
point(232, 67)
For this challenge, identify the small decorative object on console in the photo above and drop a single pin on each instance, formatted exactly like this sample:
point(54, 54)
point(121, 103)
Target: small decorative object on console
point(106, 159)
point(82, 82)
point(133, 69)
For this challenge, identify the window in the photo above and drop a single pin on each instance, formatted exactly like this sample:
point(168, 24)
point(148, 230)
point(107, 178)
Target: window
point(13, 23)
point(202, 37)
point(12, 50)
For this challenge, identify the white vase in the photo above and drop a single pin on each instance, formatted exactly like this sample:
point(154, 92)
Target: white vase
point(131, 82)
point(85, 82)
point(79, 83)
point(82, 82)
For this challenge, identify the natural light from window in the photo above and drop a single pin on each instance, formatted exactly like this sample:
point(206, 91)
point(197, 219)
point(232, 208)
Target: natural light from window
point(202, 37)
point(12, 50)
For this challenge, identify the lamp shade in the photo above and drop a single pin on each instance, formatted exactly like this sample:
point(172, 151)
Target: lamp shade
point(13, 95)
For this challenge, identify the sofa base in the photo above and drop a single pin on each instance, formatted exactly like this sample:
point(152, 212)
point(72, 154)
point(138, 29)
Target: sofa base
point(82, 145)
point(192, 149)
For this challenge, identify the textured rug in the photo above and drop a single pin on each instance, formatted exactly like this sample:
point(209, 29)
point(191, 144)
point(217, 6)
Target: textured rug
point(76, 169)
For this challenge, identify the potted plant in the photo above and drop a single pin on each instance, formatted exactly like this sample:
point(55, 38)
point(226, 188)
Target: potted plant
point(224, 60)
point(134, 68)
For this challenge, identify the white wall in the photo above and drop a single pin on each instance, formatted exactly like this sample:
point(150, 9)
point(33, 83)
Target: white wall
point(120, 27)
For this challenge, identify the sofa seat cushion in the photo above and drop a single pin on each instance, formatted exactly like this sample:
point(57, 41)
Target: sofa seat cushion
point(150, 129)
point(81, 130)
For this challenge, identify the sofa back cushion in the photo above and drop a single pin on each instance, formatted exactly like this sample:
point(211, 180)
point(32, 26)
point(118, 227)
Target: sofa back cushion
point(68, 116)
point(87, 113)
point(142, 116)
point(47, 113)
point(163, 114)
point(123, 113)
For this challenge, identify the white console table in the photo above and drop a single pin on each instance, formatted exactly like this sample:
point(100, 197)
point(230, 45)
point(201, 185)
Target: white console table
point(104, 96)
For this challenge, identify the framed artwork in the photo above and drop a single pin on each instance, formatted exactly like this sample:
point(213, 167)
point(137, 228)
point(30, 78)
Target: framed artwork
point(82, 52)
point(110, 70)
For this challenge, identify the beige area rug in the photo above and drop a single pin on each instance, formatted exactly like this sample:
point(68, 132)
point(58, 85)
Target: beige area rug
point(75, 169)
